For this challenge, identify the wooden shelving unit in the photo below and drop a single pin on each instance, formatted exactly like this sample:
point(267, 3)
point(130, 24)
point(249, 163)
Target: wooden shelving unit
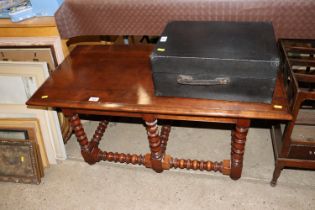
point(299, 70)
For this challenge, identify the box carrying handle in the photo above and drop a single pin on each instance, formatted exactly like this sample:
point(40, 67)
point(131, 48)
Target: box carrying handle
point(189, 80)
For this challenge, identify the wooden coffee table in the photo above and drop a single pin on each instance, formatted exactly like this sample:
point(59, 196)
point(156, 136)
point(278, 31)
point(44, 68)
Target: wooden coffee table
point(117, 81)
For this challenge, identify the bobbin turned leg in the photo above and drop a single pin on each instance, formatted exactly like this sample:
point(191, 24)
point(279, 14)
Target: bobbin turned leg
point(165, 132)
point(81, 137)
point(98, 134)
point(154, 142)
point(89, 150)
point(238, 147)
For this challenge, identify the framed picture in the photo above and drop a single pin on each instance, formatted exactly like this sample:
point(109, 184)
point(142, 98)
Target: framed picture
point(29, 76)
point(24, 129)
point(52, 43)
point(43, 49)
point(30, 53)
point(20, 161)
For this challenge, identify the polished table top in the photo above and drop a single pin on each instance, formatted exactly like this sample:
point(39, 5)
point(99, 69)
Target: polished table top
point(120, 76)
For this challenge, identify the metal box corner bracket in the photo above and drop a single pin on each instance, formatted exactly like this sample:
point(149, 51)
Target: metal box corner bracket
point(233, 61)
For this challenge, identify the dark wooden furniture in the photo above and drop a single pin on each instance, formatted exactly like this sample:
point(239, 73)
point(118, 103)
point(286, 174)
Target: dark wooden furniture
point(299, 66)
point(117, 81)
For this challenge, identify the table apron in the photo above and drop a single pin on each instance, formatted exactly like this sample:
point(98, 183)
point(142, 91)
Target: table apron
point(69, 112)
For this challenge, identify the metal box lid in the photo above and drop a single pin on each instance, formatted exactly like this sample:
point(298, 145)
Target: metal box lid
point(243, 41)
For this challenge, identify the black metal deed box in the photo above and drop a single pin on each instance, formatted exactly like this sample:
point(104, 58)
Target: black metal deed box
point(233, 61)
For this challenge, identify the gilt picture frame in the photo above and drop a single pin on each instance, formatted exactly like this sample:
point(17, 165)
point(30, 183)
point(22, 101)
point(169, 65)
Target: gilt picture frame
point(31, 128)
point(20, 161)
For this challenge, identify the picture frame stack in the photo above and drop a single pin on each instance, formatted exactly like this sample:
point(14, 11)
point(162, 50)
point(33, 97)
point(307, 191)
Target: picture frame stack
point(20, 151)
point(25, 63)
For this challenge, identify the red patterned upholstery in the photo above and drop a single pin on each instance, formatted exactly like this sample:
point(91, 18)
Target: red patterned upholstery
point(290, 18)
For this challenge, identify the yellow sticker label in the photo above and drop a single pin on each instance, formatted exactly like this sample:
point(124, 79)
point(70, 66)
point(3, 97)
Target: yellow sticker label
point(277, 106)
point(45, 96)
point(22, 158)
point(161, 49)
